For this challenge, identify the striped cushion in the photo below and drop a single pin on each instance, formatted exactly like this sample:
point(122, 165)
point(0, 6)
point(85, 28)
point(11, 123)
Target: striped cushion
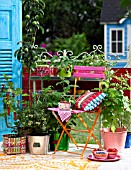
point(89, 100)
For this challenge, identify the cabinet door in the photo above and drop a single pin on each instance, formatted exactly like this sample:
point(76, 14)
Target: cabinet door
point(10, 34)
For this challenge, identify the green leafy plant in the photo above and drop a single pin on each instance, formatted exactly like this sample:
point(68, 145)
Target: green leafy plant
point(125, 5)
point(29, 53)
point(11, 98)
point(33, 118)
point(50, 98)
point(116, 107)
point(66, 86)
point(29, 116)
point(64, 60)
point(76, 43)
point(95, 60)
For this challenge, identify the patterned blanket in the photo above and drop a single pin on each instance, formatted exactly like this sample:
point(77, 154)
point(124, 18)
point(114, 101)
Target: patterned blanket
point(46, 162)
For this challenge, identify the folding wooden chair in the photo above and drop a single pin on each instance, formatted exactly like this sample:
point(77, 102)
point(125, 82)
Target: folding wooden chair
point(81, 72)
point(89, 72)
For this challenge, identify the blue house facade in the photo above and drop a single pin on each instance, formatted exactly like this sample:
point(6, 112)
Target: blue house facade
point(117, 33)
point(10, 35)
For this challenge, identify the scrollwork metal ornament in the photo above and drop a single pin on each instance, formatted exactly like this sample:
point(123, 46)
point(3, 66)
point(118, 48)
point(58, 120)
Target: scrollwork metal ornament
point(97, 49)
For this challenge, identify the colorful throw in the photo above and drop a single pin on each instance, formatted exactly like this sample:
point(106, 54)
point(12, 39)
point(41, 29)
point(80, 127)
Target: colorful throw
point(89, 100)
point(46, 162)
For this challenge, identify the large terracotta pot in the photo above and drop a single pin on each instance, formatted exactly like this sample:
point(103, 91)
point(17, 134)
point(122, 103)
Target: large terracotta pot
point(114, 140)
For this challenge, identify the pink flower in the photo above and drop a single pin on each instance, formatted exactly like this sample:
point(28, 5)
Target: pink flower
point(50, 52)
point(43, 45)
point(55, 53)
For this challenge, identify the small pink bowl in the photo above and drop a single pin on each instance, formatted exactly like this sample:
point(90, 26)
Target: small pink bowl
point(101, 155)
point(112, 155)
point(97, 149)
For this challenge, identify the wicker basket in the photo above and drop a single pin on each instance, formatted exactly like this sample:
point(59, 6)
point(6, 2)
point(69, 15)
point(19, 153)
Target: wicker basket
point(13, 144)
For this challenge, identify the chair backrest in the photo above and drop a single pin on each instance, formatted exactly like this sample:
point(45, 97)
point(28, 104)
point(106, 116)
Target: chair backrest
point(89, 72)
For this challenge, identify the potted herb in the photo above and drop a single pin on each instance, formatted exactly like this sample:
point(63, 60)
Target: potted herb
point(116, 109)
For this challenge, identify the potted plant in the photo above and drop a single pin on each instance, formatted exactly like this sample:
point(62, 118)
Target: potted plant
point(35, 118)
point(29, 52)
point(30, 119)
point(50, 99)
point(11, 98)
point(116, 109)
point(64, 61)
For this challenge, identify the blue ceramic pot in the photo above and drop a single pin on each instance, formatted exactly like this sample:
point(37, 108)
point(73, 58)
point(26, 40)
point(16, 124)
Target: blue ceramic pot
point(128, 140)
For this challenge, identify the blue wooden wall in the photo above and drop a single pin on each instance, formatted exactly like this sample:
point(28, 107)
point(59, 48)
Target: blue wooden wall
point(10, 34)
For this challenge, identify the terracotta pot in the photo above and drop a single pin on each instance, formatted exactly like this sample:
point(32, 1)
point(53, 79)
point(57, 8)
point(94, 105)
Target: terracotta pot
point(114, 140)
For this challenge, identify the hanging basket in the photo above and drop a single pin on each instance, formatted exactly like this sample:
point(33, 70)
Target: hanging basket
point(13, 144)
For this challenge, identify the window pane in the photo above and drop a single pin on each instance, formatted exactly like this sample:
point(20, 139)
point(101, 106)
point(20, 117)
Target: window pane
point(119, 47)
point(119, 35)
point(114, 47)
point(113, 35)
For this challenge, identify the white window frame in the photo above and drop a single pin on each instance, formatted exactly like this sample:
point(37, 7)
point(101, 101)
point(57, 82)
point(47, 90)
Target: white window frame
point(117, 29)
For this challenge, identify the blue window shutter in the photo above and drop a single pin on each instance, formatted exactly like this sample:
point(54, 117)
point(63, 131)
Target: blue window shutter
point(10, 35)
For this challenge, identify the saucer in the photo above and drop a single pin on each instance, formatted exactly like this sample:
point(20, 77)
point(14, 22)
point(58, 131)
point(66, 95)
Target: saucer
point(91, 157)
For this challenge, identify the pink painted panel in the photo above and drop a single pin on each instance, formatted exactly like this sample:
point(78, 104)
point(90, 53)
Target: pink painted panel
point(88, 75)
point(89, 68)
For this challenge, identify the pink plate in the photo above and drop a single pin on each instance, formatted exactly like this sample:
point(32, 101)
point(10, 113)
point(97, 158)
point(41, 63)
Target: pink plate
point(91, 157)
